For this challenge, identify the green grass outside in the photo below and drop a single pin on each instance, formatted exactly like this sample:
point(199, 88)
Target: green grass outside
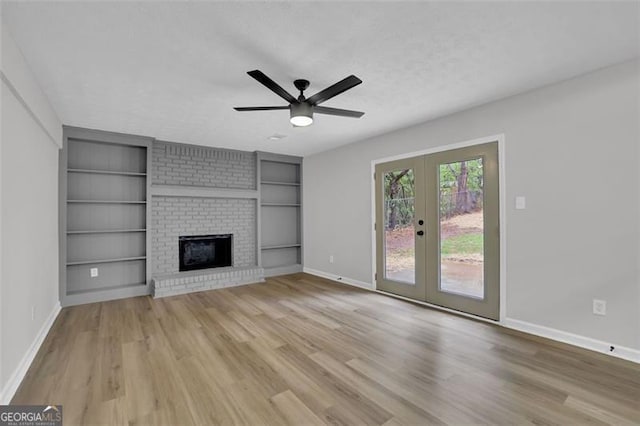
point(463, 244)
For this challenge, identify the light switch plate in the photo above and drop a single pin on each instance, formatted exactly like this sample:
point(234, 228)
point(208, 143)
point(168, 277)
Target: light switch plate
point(94, 272)
point(521, 202)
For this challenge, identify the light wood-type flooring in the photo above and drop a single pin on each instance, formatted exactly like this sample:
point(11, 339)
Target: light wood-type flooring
point(302, 350)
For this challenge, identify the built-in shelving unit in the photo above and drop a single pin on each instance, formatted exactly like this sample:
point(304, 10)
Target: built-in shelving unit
point(280, 221)
point(104, 216)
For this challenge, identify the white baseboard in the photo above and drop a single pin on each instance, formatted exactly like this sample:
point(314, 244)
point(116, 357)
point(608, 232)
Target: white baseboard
point(16, 378)
point(623, 352)
point(338, 278)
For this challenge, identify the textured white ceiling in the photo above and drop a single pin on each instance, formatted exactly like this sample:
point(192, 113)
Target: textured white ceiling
point(175, 70)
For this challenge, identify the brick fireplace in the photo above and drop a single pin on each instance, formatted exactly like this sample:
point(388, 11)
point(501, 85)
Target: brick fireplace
point(202, 191)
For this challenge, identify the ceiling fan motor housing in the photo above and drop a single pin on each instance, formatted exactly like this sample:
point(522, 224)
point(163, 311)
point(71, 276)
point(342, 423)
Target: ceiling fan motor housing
point(301, 109)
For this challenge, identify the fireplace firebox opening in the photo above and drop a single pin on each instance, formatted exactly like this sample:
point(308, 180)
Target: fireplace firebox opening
point(205, 251)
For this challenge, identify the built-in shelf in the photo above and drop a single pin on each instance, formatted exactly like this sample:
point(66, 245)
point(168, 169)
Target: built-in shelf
point(105, 202)
point(284, 269)
point(110, 288)
point(280, 183)
point(282, 246)
point(105, 206)
point(280, 178)
point(120, 259)
point(106, 172)
point(105, 231)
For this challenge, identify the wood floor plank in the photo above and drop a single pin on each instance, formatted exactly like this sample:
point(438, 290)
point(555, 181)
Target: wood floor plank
point(202, 384)
point(294, 411)
point(348, 399)
point(231, 327)
point(604, 415)
point(402, 410)
point(252, 325)
point(429, 398)
point(313, 394)
point(303, 350)
point(266, 308)
point(108, 369)
point(111, 412)
point(262, 412)
point(310, 315)
point(80, 365)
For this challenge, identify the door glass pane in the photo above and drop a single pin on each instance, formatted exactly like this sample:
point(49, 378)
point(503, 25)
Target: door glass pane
point(399, 230)
point(462, 228)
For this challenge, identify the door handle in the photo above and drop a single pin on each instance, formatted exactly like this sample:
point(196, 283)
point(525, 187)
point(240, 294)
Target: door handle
point(420, 233)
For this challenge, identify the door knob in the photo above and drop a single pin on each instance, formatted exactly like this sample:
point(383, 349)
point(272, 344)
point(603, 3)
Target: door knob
point(421, 222)
point(420, 232)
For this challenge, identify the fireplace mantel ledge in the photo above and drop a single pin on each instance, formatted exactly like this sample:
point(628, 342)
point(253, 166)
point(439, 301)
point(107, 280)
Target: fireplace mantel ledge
point(201, 192)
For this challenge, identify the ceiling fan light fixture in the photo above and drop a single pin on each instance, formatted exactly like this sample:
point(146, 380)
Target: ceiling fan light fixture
point(301, 109)
point(301, 114)
point(301, 121)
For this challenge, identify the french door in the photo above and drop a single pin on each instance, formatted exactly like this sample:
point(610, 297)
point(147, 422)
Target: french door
point(437, 229)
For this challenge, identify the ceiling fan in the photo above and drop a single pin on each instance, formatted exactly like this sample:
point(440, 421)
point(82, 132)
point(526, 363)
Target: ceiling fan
point(302, 109)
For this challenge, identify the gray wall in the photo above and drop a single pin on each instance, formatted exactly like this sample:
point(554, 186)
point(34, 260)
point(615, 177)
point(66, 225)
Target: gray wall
point(572, 150)
point(31, 137)
point(186, 165)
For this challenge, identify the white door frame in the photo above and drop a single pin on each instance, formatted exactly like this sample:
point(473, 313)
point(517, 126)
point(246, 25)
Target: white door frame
point(501, 196)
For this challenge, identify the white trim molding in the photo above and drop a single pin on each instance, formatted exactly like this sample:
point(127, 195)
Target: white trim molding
point(27, 108)
point(595, 345)
point(338, 278)
point(16, 378)
point(20, 81)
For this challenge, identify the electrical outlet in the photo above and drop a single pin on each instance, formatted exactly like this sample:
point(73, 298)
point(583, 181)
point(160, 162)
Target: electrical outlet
point(94, 272)
point(33, 313)
point(521, 202)
point(331, 259)
point(599, 307)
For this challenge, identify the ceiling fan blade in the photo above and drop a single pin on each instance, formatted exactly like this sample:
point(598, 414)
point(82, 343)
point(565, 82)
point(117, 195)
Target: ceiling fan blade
point(338, 111)
point(265, 108)
point(272, 85)
point(334, 90)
